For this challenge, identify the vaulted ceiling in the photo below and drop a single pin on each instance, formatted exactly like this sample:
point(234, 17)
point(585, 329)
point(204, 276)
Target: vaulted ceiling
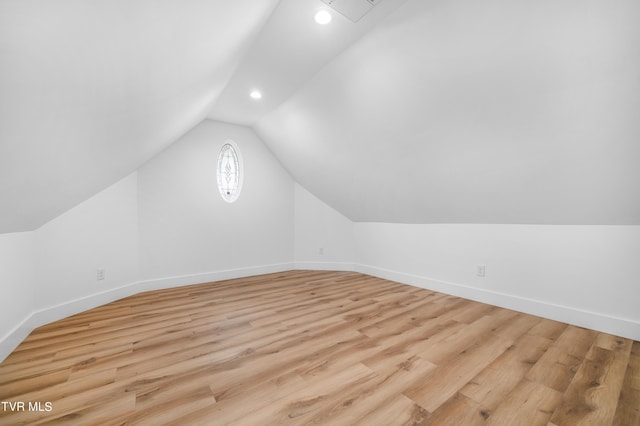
point(420, 112)
point(475, 112)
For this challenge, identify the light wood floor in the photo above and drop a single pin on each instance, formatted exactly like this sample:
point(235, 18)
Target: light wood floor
point(319, 348)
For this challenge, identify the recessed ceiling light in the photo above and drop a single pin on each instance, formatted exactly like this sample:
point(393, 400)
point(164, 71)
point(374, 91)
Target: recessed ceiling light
point(256, 94)
point(323, 17)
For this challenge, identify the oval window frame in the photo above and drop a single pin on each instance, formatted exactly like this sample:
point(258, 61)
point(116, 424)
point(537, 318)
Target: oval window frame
point(229, 151)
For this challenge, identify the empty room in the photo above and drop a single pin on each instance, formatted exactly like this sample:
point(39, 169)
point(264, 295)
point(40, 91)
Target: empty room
point(336, 212)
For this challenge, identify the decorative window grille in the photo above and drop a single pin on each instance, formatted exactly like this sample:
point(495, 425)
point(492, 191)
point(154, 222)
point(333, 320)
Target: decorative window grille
point(229, 177)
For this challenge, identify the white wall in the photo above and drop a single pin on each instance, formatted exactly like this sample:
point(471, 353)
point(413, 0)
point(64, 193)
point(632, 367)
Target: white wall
point(585, 275)
point(50, 273)
point(162, 226)
point(166, 225)
point(323, 236)
point(186, 228)
point(16, 287)
point(101, 232)
point(90, 91)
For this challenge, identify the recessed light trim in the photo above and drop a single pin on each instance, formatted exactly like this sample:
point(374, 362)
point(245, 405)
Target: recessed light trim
point(256, 94)
point(323, 17)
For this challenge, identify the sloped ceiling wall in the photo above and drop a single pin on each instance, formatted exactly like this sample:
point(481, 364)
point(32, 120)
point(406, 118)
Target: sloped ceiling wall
point(90, 90)
point(422, 112)
point(475, 112)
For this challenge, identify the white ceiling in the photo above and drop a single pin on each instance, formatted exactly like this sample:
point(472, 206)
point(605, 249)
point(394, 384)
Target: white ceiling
point(439, 111)
point(475, 112)
point(291, 49)
point(90, 90)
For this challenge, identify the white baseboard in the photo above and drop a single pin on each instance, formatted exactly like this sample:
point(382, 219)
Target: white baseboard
point(325, 266)
point(15, 337)
point(63, 310)
point(623, 327)
point(596, 321)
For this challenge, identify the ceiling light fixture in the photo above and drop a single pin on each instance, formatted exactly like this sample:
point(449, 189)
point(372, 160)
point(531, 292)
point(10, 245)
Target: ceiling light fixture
point(256, 94)
point(323, 17)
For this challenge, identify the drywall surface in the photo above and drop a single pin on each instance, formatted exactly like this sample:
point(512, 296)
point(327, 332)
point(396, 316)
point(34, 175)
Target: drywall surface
point(16, 286)
point(100, 233)
point(185, 225)
point(586, 275)
point(583, 275)
point(461, 111)
point(322, 235)
point(96, 89)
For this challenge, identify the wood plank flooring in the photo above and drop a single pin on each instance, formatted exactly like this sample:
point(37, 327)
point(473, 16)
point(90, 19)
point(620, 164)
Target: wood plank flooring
point(307, 347)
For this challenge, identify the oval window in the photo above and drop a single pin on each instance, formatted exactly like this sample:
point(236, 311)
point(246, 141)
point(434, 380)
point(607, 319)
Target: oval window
point(229, 178)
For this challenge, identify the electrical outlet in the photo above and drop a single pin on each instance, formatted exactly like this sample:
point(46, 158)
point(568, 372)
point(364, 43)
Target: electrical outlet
point(321, 251)
point(100, 274)
point(480, 270)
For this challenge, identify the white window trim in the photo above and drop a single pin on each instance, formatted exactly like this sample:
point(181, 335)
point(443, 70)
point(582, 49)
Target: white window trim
point(230, 198)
